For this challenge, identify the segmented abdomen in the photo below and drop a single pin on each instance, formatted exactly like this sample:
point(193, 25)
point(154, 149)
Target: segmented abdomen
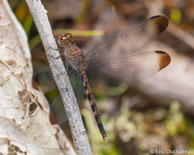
point(92, 102)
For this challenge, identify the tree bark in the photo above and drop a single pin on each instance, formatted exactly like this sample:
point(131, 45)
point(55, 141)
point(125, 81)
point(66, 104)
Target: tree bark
point(24, 112)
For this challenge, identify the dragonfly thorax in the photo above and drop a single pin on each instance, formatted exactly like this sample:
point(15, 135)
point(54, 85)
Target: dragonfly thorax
point(75, 57)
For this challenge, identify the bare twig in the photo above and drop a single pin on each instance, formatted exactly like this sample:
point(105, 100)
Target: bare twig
point(68, 98)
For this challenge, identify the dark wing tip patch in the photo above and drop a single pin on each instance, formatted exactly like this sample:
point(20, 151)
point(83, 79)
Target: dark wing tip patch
point(159, 22)
point(160, 52)
point(157, 16)
point(164, 59)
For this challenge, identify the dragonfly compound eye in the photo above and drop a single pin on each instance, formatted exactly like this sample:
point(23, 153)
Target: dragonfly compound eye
point(65, 40)
point(61, 41)
point(69, 38)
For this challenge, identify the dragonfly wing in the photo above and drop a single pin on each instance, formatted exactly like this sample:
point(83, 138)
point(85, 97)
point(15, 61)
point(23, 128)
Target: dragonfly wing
point(130, 41)
point(58, 111)
point(134, 67)
point(44, 79)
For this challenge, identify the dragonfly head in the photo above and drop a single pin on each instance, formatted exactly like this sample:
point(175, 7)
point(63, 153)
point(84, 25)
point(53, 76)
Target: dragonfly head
point(65, 39)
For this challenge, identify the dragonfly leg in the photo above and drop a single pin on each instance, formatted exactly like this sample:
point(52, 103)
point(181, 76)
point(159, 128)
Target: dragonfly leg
point(52, 48)
point(61, 53)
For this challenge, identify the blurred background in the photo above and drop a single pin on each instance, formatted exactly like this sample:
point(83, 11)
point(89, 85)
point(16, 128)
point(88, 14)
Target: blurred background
point(156, 113)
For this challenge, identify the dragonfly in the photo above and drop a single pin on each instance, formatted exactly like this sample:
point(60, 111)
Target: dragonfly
point(121, 56)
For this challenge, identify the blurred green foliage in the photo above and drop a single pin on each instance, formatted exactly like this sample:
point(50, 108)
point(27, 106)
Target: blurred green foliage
point(134, 125)
point(175, 15)
point(23, 15)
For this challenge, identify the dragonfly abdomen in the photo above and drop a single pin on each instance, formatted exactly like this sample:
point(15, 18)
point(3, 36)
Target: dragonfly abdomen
point(92, 102)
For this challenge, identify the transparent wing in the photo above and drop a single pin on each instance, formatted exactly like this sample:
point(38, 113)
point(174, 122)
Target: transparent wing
point(134, 67)
point(130, 41)
point(58, 111)
point(43, 79)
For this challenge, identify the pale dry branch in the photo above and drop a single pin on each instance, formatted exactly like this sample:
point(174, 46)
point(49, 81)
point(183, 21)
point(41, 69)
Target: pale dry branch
point(66, 92)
